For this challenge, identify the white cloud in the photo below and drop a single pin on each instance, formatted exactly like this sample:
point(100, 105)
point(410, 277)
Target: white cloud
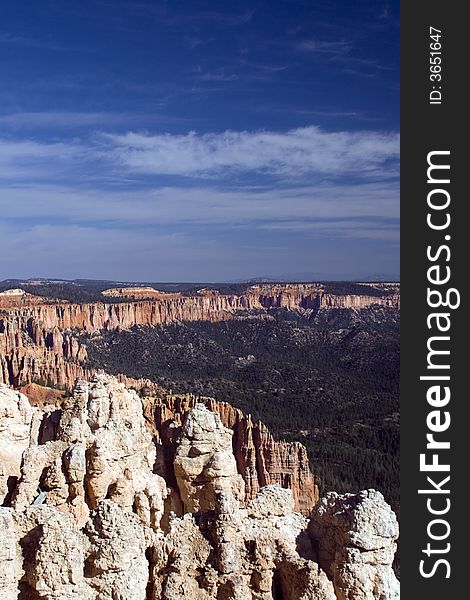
point(71, 120)
point(309, 154)
point(335, 48)
point(295, 153)
point(61, 119)
point(97, 207)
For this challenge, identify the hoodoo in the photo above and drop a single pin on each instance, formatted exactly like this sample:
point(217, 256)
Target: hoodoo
point(93, 508)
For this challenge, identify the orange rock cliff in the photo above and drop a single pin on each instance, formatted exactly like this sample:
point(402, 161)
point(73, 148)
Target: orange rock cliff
point(38, 342)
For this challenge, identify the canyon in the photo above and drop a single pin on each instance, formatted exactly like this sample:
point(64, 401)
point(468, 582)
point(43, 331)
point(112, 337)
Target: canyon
point(41, 348)
point(205, 499)
point(116, 496)
point(38, 341)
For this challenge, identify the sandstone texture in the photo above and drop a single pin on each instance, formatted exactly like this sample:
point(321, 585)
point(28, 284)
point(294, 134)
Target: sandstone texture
point(100, 508)
point(259, 458)
point(16, 415)
point(356, 537)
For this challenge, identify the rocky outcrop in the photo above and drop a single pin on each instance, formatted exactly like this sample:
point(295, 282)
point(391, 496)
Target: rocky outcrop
point(12, 293)
point(11, 560)
point(260, 459)
point(358, 302)
point(99, 448)
point(18, 298)
point(356, 537)
point(91, 518)
point(31, 352)
point(204, 463)
point(116, 563)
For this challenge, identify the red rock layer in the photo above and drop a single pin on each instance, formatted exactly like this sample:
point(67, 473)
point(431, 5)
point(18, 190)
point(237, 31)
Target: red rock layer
point(100, 316)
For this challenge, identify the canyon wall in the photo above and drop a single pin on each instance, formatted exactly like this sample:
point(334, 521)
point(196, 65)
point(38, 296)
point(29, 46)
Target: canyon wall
point(38, 342)
point(100, 316)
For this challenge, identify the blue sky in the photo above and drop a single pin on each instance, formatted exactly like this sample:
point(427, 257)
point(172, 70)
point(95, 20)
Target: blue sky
point(199, 140)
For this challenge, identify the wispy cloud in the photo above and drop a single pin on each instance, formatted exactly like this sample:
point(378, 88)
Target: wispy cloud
point(324, 47)
point(341, 53)
point(304, 155)
point(197, 41)
point(294, 153)
point(270, 68)
point(221, 74)
point(167, 247)
point(71, 120)
point(31, 42)
point(32, 160)
point(60, 119)
point(177, 194)
point(227, 19)
point(362, 228)
point(198, 17)
point(124, 146)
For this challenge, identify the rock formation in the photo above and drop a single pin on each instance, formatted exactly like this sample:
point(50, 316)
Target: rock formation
point(94, 514)
point(139, 293)
point(356, 537)
point(259, 457)
point(12, 293)
point(15, 423)
point(204, 463)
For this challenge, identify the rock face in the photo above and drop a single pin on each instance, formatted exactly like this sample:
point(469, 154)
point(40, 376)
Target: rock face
point(15, 422)
point(92, 518)
point(99, 448)
point(356, 537)
point(11, 563)
point(204, 464)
